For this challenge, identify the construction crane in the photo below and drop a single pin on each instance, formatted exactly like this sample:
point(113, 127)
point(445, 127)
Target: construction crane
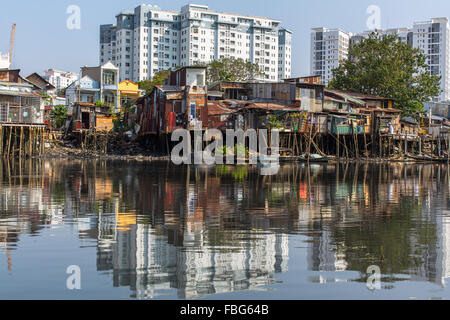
point(11, 44)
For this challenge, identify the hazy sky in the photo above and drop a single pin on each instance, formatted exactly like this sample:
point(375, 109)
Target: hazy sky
point(43, 41)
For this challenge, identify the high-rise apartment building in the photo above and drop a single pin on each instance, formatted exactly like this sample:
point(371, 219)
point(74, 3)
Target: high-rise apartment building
point(149, 39)
point(284, 54)
point(432, 37)
point(328, 48)
point(60, 79)
point(404, 34)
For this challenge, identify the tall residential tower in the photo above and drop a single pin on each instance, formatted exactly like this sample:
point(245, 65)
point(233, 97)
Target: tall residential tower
point(149, 39)
point(432, 37)
point(328, 48)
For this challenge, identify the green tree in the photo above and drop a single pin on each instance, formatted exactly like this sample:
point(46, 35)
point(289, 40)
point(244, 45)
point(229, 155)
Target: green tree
point(231, 69)
point(157, 80)
point(387, 67)
point(59, 115)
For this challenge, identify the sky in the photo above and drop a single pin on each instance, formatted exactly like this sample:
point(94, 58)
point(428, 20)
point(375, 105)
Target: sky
point(43, 40)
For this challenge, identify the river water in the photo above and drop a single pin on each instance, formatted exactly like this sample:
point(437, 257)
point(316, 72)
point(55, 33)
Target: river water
point(134, 230)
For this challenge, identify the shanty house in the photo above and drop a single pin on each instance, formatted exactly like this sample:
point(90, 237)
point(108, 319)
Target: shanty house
point(81, 97)
point(42, 85)
point(179, 103)
point(19, 103)
point(305, 96)
point(129, 91)
point(228, 90)
point(85, 90)
point(107, 76)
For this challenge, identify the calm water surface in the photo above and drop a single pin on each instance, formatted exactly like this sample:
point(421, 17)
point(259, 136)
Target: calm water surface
point(158, 231)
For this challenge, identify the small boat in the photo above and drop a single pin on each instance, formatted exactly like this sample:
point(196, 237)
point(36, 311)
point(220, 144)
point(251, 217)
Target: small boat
point(314, 158)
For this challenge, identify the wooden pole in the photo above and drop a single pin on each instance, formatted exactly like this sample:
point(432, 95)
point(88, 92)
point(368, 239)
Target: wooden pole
point(406, 145)
point(14, 142)
point(309, 142)
point(30, 138)
point(9, 141)
point(338, 146)
point(21, 142)
point(365, 144)
point(1, 140)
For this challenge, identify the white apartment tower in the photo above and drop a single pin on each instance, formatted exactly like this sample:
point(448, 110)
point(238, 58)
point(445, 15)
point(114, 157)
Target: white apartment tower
point(432, 37)
point(284, 54)
point(328, 48)
point(149, 39)
point(404, 34)
point(60, 79)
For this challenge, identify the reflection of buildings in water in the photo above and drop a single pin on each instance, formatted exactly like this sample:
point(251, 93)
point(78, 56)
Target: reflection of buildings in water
point(324, 255)
point(150, 262)
point(436, 266)
point(444, 252)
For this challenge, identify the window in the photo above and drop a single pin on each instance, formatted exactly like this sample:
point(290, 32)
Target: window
point(109, 78)
point(200, 80)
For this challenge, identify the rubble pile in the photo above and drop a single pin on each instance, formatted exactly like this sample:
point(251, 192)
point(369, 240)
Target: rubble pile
point(119, 147)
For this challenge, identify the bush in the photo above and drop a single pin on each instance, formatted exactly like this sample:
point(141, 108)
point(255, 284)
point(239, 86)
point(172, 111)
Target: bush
point(59, 115)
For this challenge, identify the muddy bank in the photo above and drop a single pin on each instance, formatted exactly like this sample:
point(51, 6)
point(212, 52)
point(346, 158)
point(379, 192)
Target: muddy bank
point(66, 150)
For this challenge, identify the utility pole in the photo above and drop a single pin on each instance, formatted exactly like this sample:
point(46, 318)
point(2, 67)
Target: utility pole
point(11, 44)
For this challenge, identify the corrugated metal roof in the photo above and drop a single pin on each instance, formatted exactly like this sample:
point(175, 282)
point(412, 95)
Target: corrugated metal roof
point(170, 88)
point(356, 95)
point(18, 93)
point(269, 107)
point(216, 108)
point(218, 94)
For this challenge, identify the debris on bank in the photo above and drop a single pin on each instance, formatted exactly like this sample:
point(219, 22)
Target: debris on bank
point(118, 147)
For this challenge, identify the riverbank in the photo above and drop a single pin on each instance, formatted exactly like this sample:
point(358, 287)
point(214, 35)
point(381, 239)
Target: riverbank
point(65, 150)
point(132, 150)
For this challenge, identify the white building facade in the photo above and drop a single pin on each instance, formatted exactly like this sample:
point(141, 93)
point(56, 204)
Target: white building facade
point(328, 48)
point(149, 40)
point(432, 37)
point(4, 61)
point(284, 54)
point(60, 79)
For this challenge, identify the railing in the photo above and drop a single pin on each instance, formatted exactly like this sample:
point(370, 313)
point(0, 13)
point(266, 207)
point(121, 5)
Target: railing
point(347, 129)
point(20, 114)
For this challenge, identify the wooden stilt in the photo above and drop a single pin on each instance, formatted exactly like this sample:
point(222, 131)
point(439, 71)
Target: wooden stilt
point(9, 141)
